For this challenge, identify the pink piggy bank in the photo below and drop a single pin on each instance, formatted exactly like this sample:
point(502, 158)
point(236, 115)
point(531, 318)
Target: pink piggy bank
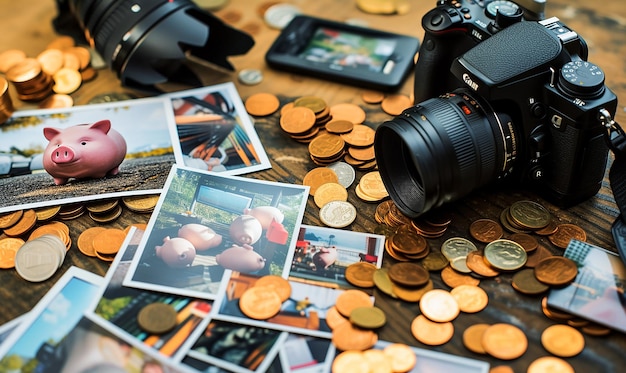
point(241, 259)
point(176, 252)
point(81, 151)
point(325, 257)
point(245, 230)
point(265, 215)
point(200, 236)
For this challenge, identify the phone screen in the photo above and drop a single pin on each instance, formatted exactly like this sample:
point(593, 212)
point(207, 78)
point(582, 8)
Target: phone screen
point(341, 50)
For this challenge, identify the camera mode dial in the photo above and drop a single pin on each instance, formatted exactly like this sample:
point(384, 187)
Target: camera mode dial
point(581, 79)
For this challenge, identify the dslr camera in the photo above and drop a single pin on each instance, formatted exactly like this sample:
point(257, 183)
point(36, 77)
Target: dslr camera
point(525, 107)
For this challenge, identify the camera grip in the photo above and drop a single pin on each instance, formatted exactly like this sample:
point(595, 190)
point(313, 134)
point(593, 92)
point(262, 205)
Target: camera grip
point(432, 69)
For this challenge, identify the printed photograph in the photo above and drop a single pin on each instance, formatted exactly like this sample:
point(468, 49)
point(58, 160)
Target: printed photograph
point(305, 354)
point(215, 133)
point(206, 224)
point(56, 156)
point(597, 293)
point(117, 307)
point(322, 254)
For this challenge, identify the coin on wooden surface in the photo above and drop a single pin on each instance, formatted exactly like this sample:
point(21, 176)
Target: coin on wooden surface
point(528, 242)
point(350, 337)
point(408, 274)
point(565, 233)
point(408, 242)
point(471, 299)
point(8, 248)
point(430, 332)
point(530, 214)
point(411, 294)
point(51, 60)
point(439, 305)
point(457, 247)
point(85, 240)
point(505, 255)
point(556, 271)
point(351, 299)
point(259, 302)
point(562, 340)
point(339, 127)
point(326, 146)
point(486, 230)
point(473, 336)
point(338, 214)
point(262, 104)
point(345, 173)
point(57, 101)
point(537, 255)
point(383, 283)
point(360, 136)
point(452, 278)
point(334, 318)
point(66, 80)
point(330, 192)
point(401, 356)
point(435, 261)
point(504, 341)
point(39, 259)
point(157, 318)
point(26, 222)
point(372, 97)
point(350, 361)
point(361, 274)
point(525, 282)
point(476, 262)
point(395, 104)
point(372, 184)
point(319, 176)
point(10, 218)
point(348, 111)
point(315, 103)
point(368, 317)
point(109, 241)
point(281, 286)
point(550, 364)
point(250, 76)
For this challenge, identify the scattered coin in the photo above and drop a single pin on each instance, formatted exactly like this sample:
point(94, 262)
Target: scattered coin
point(486, 230)
point(383, 283)
point(328, 192)
point(562, 340)
point(350, 299)
point(109, 241)
point(8, 248)
point(430, 332)
point(435, 261)
point(529, 214)
point(504, 341)
point(395, 104)
point(157, 318)
point(349, 361)
point(348, 111)
point(439, 305)
point(470, 299)
point(350, 337)
point(345, 173)
point(259, 302)
point(472, 338)
point(528, 242)
point(141, 204)
point(262, 104)
point(338, 214)
point(505, 255)
point(361, 136)
point(556, 270)
point(550, 364)
point(408, 274)
point(250, 76)
point(372, 97)
point(457, 247)
point(565, 233)
point(402, 357)
point(371, 184)
point(317, 177)
point(476, 262)
point(27, 221)
point(9, 219)
point(66, 80)
point(411, 294)
point(453, 278)
point(281, 286)
point(526, 282)
point(279, 15)
point(85, 240)
point(361, 274)
point(334, 318)
point(368, 317)
point(39, 259)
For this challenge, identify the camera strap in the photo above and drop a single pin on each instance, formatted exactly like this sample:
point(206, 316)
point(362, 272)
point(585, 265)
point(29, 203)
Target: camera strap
point(616, 139)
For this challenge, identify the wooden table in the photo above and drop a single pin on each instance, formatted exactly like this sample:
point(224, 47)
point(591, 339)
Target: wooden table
point(603, 26)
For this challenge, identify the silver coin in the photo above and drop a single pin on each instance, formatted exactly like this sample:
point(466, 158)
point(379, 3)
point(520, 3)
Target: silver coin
point(278, 16)
point(345, 173)
point(457, 247)
point(338, 214)
point(505, 255)
point(250, 76)
point(39, 259)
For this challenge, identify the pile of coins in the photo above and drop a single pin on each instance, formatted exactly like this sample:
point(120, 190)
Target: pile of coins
point(393, 358)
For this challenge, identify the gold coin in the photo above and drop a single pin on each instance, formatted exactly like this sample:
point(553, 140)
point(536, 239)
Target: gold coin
point(562, 340)
point(504, 341)
point(368, 317)
point(435, 261)
point(349, 337)
point(350, 361)
point(383, 283)
point(66, 80)
point(8, 248)
point(10, 218)
point(141, 204)
point(107, 217)
point(452, 278)
point(473, 336)
point(71, 61)
point(27, 222)
point(439, 306)
point(556, 271)
point(501, 369)
point(471, 299)
point(529, 214)
point(361, 274)
point(334, 318)
point(475, 261)
point(51, 60)
point(550, 364)
point(297, 120)
point(109, 241)
point(411, 294)
point(377, 361)
point(157, 318)
point(348, 111)
point(317, 104)
point(326, 146)
point(260, 302)
point(395, 104)
point(408, 274)
point(85, 240)
point(10, 58)
point(82, 54)
point(372, 184)
point(360, 136)
point(281, 286)
point(262, 104)
point(372, 97)
point(486, 230)
point(24, 71)
point(339, 127)
point(330, 192)
point(565, 233)
point(430, 332)
point(62, 42)
point(317, 177)
point(350, 299)
point(57, 229)
point(365, 154)
point(402, 357)
point(505, 255)
point(525, 282)
point(102, 206)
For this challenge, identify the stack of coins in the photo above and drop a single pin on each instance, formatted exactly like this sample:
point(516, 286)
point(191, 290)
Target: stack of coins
point(104, 211)
point(6, 104)
point(39, 259)
point(406, 245)
point(31, 82)
point(144, 204)
point(58, 229)
point(371, 188)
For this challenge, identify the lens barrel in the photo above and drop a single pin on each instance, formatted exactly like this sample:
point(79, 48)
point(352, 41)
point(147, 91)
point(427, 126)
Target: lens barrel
point(441, 150)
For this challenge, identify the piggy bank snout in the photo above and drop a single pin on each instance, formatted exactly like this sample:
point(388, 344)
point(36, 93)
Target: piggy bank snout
point(62, 154)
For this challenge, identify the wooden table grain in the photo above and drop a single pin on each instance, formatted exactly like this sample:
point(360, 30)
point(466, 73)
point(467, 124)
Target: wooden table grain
point(27, 26)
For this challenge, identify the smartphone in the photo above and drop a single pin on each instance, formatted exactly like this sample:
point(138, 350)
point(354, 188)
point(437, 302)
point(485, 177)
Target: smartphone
point(343, 53)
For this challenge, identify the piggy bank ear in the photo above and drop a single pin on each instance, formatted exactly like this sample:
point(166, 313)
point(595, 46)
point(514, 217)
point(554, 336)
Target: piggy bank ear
point(103, 125)
point(50, 132)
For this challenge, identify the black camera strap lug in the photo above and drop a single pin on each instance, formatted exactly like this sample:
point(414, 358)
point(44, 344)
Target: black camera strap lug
point(616, 139)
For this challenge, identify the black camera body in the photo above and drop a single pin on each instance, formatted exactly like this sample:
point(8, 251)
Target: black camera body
point(526, 109)
point(455, 26)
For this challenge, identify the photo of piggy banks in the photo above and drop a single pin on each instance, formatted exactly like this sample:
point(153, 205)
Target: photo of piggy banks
point(83, 151)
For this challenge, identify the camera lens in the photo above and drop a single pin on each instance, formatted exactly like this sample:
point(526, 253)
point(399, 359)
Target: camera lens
point(442, 149)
